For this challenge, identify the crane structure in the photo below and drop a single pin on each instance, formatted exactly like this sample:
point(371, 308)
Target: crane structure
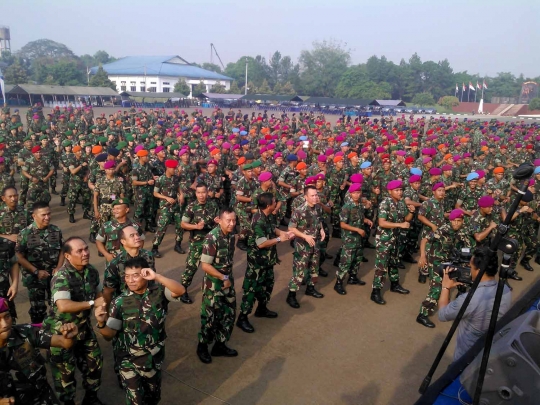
point(212, 51)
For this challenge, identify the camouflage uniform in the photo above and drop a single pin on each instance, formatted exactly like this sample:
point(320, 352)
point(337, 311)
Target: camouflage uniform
point(108, 234)
point(22, 356)
point(413, 232)
point(244, 188)
point(306, 259)
point(387, 241)
point(22, 157)
point(479, 223)
point(143, 195)
point(6, 179)
point(259, 279)
point(218, 309)
point(78, 187)
point(115, 270)
point(433, 211)
point(195, 213)
point(169, 187)
point(139, 320)
point(66, 174)
point(109, 191)
point(76, 285)
point(37, 191)
point(41, 247)
point(11, 223)
point(352, 248)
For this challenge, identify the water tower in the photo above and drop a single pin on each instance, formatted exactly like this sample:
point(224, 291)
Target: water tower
point(5, 40)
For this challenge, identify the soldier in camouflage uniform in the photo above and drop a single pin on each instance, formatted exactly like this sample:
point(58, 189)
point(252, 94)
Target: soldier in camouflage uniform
point(199, 219)
point(137, 319)
point(218, 310)
point(66, 174)
point(284, 183)
point(167, 191)
point(22, 157)
point(106, 191)
point(261, 259)
point(19, 351)
point(75, 288)
point(468, 197)
point(78, 187)
point(13, 219)
point(352, 221)
point(143, 182)
point(38, 252)
point(307, 227)
point(336, 180)
point(6, 178)
point(394, 216)
point(37, 170)
point(244, 203)
point(438, 246)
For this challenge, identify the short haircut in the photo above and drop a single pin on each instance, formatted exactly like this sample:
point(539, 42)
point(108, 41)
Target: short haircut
point(201, 184)
point(5, 189)
point(66, 247)
point(226, 210)
point(310, 187)
point(39, 205)
point(265, 200)
point(481, 255)
point(120, 233)
point(136, 263)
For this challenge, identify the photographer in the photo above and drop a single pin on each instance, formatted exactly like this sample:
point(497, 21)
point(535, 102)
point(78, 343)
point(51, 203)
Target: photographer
point(475, 321)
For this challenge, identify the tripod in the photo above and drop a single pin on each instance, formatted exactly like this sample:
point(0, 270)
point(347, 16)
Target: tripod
point(507, 246)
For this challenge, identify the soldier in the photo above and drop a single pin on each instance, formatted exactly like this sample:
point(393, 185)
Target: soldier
point(261, 259)
point(78, 187)
point(468, 197)
point(306, 225)
point(19, 347)
point(13, 219)
point(167, 191)
point(37, 171)
point(218, 308)
point(6, 178)
point(38, 252)
point(23, 156)
point(436, 247)
point(244, 192)
point(75, 289)
point(106, 191)
point(394, 215)
point(137, 319)
point(199, 219)
point(352, 221)
point(66, 174)
point(143, 180)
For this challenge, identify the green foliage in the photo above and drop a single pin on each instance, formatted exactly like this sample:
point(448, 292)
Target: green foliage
point(45, 48)
point(182, 87)
point(211, 66)
point(448, 102)
point(16, 73)
point(422, 99)
point(101, 79)
point(234, 89)
point(534, 104)
point(264, 88)
point(287, 89)
point(199, 88)
point(218, 88)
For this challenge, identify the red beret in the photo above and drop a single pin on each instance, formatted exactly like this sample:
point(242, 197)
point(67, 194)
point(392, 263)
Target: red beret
point(171, 163)
point(36, 149)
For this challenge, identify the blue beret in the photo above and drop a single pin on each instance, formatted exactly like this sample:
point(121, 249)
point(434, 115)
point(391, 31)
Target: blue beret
point(472, 176)
point(243, 133)
point(244, 142)
point(102, 157)
point(303, 138)
point(235, 130)
point(537, 170)
point(292, 158)
point(417, 171)
point(113, 152)
point(365, 165)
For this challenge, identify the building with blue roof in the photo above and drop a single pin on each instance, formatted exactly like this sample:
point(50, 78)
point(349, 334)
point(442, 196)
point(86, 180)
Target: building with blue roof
point(159, 74)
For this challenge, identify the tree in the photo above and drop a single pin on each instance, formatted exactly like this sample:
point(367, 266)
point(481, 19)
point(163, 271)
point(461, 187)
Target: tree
point(448, 102)
point(264, 88)
point(65, 73)
point(101, 79)
point(218, 88)
point(288, 89)
point(257, 69)
point(211, 67)
point(534, 104)
point(199, 88)
point(102, 57)
point(234, 89)
point(45, 48)
point(182, 87)
point(16, 73)
point(422, 99)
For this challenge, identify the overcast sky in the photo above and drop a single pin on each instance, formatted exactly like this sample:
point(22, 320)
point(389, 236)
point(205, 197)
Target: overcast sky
point(480, 36)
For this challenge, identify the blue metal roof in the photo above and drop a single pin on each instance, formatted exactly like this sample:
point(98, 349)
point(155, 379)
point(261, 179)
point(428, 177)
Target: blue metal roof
point(169, 65)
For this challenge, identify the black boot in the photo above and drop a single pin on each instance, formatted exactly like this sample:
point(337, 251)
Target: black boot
point(87, 215)
point(337, 259)
point(327, 256)
point(336, 233)
point(221, 350)
point(526, 265)
point(291, 299)
point(202, 352)
point(407, 258)
point(422, 278)
point(53, 191)
point(397, 288)
point(338, 287)
point(149, 228)
point(178, 248)
point(243, 323)
point(537, 260)
point(353, 279)
point(311, 291)
point(155, 252)
point(368, 245)
point(263, 312)
point(241, 244)
point(92, 237)
point(400, 265)
point(322, 273)
point(514, 276)
point(185, 298)
point(424, 320)
point(364, 260)
point(71, 218)
point(62, 201)
point(91, 398)
point(376, 296)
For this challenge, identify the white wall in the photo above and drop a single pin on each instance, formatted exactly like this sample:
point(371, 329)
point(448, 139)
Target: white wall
point(160, 82)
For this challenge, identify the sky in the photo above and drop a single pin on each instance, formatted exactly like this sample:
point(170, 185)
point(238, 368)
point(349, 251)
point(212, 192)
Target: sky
point(481, 36)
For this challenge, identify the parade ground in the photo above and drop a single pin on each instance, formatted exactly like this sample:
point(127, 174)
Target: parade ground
point(335, 350)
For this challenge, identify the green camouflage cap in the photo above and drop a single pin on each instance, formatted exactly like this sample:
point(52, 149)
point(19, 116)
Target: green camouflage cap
point(68, 133)
point(168, 141)
point(192, 145)
point(129, 138)
point(27, 138)
point(247, 166)
point(44, 138)
point(71, 125)
point(121, 201)
point(256, 163)
point(121, 145)
point(152, 146)
point(66, 143)
point(44, 127)
point(174, 147)
point(102, 139)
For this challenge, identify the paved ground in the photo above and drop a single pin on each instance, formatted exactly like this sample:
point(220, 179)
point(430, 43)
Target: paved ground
point(336, 350)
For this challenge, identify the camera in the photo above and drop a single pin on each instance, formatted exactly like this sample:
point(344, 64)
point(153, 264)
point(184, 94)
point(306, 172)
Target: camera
point(459, 261)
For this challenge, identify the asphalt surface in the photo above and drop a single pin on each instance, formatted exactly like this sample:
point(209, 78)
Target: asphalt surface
point(335, 350)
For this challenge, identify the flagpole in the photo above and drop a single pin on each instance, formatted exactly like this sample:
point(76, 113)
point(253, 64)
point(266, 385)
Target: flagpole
point(475, 91)
point(461, 99)
point(469, 94)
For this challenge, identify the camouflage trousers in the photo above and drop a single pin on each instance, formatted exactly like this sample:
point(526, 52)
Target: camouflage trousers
point(530, 239)
point(244, 221)
point(105, 214)
point(386, 259)
point(4, 287)
point(32, 395)
point(23, 192)
point(306, 260)
point(142, 383)
point(218, 311)
point(66, 176)
point(52, 179)
point(527, 245)
point(435, 286)
point(258, 285)
point(86, 356)
point(78, 189)
point(39, 294)
point(334, 216)
point(37, 192)
point(192, 262)
point(281, 212)
point(144, 201)
point(323, 245)
point(164, 217)
point(352, 252)
point(368, 214)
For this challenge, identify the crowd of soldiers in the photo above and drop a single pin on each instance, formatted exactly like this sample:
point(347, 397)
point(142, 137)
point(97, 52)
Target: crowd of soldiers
point(417, 185)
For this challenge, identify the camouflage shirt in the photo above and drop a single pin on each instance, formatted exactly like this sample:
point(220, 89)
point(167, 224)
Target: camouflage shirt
point(392, 211)
point(352, 214)
point(433, 211)
point(441, 243)
point(41, 247)
point(307, 220)
point(109, 189)
point(115, 270)
point(479, 223)
point(169, 187)
point(263, 229)
point(218, 250)
point(245, 188)
point(197, 212)
point(108, 234)
point(469, 198)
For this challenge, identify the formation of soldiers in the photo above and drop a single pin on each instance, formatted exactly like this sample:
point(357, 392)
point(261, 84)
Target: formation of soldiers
point(232, 180)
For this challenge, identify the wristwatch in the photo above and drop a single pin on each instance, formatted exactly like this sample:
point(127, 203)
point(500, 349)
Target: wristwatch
point(278, 239)
point(101, 327)
point(91, 303)
point(225, 277)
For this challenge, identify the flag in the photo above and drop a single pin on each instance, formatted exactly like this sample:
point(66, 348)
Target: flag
point(471, 87)
point(477, 85)
point(463, 86)
point(2, 86)
point(457, 89)
point(484, 84)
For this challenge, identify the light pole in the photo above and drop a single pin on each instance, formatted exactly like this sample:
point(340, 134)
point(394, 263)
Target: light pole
point(245, 86)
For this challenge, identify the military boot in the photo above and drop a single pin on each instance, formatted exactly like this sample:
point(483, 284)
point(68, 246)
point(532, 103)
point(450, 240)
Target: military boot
point(311, 291)
point(526, 265)
point(322, 272)
point(263, 312)
point(91, 398)
point(220, 349)
point(202, 352)
point(422, 278)
point(425, 321)
point(407, 258)
point(178, 248)
point(397, 288)
point(185, 298)
point(87, 215)
point(92, 237)
point(155, 252)
point(353, 279)
point(291, 299)
point(241, 244)
point(339, 287)
point(149, 228)
point(62, 201)
point(243, 323)
point(376, 296)
point(71, 218)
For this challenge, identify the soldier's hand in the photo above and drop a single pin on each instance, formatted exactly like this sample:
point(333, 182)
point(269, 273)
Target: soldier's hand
point(422, 261)
point(148, 274)
point(361, 232)
point(150, 182)
point(405, 225)
point(100, 313)
point(309, 240)
point(284, 236)
point(35, 180)
point(200, 225)
point(69, 330)
point(12, 291)
point(42, 274)
point(226, 283)
point(109, 257)
point(170, 200)
point(7, 401)
point(96, 215)
point(493, 225)
point(369, 222)
point(323, 234)
point(99, 301)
